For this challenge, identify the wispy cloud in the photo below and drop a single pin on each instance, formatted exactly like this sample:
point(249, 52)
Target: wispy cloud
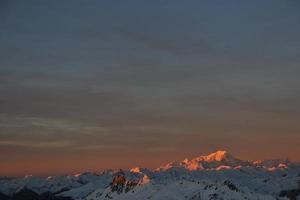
point(161, 149)
point(182, 47)
point(99, 147)
point(21, 121)
point(31, 144)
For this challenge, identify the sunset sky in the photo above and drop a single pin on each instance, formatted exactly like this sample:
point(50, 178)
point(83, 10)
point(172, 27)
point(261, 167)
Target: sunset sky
point(97, 84)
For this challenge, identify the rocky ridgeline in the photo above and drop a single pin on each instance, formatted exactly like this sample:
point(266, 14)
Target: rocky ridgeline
point(216, 176)
point(121, 184)
point(27, 194)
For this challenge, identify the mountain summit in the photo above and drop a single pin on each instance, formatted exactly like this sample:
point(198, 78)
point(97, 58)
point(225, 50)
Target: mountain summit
point(216, 156)
point(215, 161)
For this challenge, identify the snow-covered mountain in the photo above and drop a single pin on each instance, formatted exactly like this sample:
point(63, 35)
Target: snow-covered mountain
point(215, 176)
point(215, 161)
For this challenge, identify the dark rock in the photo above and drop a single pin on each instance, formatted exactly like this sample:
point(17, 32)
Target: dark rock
point(291, 194)
point(61, 190)
point(3, 196)
point(118, 184)
point(51, 196)
point(130, 185)
point(231, 186)
point(26, 194)
point(213, 196)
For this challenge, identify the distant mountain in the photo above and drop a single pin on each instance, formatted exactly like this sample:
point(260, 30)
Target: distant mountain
point(218, 175)
point(215, 161)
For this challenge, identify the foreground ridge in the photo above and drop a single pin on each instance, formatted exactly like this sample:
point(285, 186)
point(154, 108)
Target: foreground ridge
point(218, 175)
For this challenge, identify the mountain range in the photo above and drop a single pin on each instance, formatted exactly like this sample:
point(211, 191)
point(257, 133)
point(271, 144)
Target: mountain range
point(217, 176)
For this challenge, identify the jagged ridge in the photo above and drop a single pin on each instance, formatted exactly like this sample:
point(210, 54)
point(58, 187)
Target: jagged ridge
point(218, 175)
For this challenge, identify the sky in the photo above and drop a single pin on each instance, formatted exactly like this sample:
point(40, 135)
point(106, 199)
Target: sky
point(91, 85)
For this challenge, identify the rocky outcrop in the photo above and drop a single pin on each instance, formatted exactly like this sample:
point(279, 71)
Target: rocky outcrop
point(120, 184)
point(231, 186)
point(27, 194)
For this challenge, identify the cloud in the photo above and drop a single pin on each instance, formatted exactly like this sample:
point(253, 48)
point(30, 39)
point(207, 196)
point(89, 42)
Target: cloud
point(66, 126)
point(161, 149)
point(182, 46)
point(31, 144)
point(96, 147)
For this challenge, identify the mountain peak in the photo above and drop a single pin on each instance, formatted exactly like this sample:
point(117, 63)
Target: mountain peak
point(216, 156)
point(222, 160)
point(218, 160)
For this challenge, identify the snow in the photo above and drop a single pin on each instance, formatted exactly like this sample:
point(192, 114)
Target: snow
point(216, 176)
